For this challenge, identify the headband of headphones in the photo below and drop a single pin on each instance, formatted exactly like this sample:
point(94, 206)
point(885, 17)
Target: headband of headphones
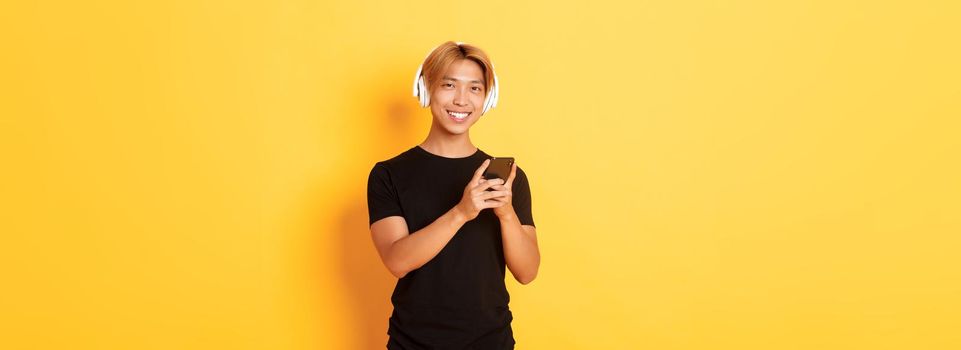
point(423, 95)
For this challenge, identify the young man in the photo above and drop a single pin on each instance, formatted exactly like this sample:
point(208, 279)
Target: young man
point(441, 228)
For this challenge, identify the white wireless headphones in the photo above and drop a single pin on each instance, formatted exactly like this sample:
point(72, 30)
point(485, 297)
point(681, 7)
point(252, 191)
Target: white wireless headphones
point(423, 95)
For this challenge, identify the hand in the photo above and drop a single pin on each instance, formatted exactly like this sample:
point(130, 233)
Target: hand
point(477, 198)
point(507, 209)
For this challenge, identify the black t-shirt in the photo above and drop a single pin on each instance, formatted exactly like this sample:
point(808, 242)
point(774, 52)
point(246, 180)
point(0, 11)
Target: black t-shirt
point(457, 300)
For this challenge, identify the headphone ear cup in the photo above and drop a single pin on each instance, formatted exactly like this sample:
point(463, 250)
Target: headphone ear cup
point(491, 100)
point(424, 94)
point(497, 92)
point(420, 89)
point(417, 83)
point(487, 103)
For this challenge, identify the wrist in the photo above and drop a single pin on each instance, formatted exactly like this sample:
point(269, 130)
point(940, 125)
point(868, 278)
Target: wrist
point(459, 216)
point(507, 214)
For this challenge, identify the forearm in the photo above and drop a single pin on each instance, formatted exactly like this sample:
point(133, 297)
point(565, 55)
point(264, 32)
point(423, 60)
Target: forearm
point(522, 256)
point(415, 250)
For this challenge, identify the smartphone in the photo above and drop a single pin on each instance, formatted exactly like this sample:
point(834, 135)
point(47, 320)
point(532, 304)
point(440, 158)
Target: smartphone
point(499, 168)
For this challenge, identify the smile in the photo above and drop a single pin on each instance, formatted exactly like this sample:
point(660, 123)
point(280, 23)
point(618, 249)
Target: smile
point(457, 115)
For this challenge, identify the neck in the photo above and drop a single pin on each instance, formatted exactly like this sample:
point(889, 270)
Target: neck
point(449, 145)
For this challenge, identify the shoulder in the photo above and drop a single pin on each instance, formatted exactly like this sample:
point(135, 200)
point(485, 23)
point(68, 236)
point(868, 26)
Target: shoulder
point(396, 162)
point(521, 174)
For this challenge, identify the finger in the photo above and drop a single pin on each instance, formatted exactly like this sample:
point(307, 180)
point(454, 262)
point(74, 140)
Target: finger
point(500, 187)
point(480, 171)
point(507, 197)
point(510, 179)
point(495, 194)
point(485, 184)
point(490, 203)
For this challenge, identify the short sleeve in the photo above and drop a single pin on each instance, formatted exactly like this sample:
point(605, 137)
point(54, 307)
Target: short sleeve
point(522, 198)
point(382, 200)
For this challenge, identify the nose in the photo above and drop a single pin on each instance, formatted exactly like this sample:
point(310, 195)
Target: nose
point(460, 98)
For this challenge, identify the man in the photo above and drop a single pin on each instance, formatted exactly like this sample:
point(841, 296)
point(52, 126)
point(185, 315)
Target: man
point(429, 221)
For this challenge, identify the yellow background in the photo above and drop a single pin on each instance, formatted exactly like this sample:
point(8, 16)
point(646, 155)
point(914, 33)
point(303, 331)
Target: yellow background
point(705, 174)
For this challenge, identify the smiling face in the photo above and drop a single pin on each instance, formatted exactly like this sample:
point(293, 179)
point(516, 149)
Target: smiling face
point(458, 99)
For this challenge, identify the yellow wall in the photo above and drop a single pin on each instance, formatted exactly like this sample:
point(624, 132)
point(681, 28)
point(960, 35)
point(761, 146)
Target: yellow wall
point(705, 174)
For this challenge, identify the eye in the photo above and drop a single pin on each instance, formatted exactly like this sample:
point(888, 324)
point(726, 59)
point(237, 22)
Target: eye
point(477, 88)
point(448, 84)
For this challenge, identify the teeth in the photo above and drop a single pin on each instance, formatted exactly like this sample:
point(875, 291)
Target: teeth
point(458, 115)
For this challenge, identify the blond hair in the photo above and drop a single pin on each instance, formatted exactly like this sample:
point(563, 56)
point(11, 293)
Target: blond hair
point(439, 60)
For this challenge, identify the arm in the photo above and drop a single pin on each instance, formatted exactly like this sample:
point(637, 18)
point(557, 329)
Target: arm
point(402, 252)
point(521, 254)
point(520, 248)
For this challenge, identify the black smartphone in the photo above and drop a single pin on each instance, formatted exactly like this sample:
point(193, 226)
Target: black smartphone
point(499, 168)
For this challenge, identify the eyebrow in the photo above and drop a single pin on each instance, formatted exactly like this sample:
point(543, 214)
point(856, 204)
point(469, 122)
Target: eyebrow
point(472, 81)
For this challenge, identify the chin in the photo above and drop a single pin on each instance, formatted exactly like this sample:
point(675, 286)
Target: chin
point(457, 129)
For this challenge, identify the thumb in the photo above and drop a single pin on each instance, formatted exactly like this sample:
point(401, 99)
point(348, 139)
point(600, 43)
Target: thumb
point(479, 172)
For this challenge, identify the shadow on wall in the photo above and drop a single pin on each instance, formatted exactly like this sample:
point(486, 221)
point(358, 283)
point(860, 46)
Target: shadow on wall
point(366, 281)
